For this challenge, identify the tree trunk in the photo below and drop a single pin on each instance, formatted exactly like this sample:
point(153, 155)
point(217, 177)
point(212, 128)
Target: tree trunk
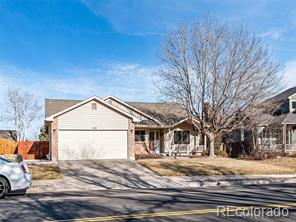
point(212, 148)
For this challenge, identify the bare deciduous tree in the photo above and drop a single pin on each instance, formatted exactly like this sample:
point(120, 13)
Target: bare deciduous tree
point(217, 73)
point(22, 109)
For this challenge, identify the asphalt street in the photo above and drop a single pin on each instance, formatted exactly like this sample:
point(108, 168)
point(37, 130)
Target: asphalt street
point(198, 204)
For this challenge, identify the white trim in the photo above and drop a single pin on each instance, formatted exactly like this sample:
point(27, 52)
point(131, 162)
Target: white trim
point(181, 121)
point(131, 107)
point(291, 96)
point(206, 131)
point(50, 118)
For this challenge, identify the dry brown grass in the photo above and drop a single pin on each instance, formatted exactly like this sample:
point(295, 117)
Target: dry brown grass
point(45, 172)
point(219, 166)
point(287, 162)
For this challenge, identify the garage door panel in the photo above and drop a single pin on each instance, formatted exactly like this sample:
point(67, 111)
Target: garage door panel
point(75, 145)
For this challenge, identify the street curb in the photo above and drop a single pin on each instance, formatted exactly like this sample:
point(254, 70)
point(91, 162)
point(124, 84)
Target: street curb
point(180, 182)
point(253, 180)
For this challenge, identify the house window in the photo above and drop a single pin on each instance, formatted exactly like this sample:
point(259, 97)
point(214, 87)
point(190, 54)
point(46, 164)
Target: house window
point(293, 105)
point(181, 137)
point(94, 106)
point(140, 135)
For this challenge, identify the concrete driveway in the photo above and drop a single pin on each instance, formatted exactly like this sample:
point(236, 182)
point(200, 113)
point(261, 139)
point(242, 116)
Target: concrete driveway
point(110, 174)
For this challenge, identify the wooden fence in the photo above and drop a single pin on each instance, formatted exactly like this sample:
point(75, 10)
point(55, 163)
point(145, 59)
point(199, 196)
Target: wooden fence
point(28, 149)
point(7, 146)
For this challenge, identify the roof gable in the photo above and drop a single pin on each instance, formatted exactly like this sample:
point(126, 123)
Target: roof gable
point(50, 118)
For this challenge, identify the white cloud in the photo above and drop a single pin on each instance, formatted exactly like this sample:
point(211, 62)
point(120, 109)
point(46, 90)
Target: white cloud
point(130, 82)
point(290, 73)
point(146, 17)
point(274, 34)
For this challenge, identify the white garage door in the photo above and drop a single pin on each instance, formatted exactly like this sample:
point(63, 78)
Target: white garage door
point(77, 145)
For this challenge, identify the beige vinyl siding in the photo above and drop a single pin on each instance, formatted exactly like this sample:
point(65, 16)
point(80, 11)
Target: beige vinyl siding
point(194, 138)
point(86, 118)
point(125, 109)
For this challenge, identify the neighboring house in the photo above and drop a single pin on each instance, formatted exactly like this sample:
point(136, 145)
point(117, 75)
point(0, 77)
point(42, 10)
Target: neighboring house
point(8, 134)
point(274, 124)
point(112, 129)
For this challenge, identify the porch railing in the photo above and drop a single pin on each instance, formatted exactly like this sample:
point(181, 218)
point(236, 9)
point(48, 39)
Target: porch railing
point(272, 147)
point(288, 148)
point(186, 150)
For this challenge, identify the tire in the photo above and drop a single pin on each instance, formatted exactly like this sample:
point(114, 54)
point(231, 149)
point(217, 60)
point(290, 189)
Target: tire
point(4, 188)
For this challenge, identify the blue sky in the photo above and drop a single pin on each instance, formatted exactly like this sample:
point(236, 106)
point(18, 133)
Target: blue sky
point(76, 49)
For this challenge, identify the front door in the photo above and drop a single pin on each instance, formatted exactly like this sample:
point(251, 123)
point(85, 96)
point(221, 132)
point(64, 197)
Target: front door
point(154, 141)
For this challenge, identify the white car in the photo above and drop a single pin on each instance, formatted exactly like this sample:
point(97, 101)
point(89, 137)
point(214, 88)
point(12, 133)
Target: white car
point(13, 176)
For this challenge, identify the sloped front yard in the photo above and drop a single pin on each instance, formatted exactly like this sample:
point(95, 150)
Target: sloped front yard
point(220, 166)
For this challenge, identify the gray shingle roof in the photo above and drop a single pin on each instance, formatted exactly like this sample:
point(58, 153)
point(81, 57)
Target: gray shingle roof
point(282, 96)
point(53, 106)
point(166, 113)
point(278, 104)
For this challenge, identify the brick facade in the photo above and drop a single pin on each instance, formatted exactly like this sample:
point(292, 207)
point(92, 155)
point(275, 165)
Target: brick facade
point(54, 139)
point(131, 140)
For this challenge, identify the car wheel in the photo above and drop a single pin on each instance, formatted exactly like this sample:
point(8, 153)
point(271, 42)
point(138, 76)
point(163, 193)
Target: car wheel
point(3, 188)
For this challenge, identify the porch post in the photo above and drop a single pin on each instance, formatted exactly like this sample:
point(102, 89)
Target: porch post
point(205, 141)
point(289, 136)
point(284, 137)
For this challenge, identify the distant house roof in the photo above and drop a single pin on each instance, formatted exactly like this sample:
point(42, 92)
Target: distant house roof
point(281, 97)
point(278, 104)
point(166, 113)
point(275, 110)
point(8, 134)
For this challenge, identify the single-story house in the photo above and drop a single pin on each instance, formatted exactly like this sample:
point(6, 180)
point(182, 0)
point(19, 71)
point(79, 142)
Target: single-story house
point(112, 129)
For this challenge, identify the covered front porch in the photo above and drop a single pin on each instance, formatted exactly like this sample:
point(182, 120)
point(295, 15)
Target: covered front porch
point(278, 136)
point(182, 139)
point(289, 138)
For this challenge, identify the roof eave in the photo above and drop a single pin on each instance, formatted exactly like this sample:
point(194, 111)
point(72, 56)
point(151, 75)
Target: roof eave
point(131, 107)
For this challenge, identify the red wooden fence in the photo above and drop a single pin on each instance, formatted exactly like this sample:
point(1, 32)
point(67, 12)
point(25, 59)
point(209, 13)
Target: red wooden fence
point(33, 149)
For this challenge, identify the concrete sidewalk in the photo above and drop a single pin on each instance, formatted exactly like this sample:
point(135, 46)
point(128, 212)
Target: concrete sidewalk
point(228, 180)
point(62, 185)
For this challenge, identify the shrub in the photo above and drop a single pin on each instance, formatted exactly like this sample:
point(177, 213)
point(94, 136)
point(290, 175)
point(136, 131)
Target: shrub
point(205, 153)
point(148, 156)
point(195, 154)
point(263, 155)
point(221, 153)
point(293, 154)
point(218, 152)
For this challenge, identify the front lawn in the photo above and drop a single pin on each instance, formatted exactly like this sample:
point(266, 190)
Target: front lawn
point(45, 171)
point(220, 166)
point(283, 162)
